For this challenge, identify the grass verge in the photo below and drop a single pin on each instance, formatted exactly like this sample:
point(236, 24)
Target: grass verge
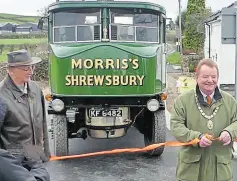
point(22, 41)
point(174, 58)
point(16, 43)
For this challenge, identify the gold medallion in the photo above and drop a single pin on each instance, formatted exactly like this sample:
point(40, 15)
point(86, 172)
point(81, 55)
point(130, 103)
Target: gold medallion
point(210, 124)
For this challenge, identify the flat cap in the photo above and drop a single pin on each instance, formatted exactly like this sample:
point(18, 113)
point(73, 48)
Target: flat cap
point(21, 57)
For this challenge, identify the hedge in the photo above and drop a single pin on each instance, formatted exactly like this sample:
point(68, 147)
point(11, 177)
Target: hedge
point(23, 36)
point(196, 12)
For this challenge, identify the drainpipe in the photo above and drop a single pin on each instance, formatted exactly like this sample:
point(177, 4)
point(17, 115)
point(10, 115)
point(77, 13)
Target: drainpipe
point(209, 39)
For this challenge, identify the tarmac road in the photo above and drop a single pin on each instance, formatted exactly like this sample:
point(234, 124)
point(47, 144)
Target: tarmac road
point(120, 167)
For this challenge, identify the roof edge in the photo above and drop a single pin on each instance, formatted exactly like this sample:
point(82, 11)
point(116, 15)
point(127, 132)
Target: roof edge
point(153, 6)
point(217, 14)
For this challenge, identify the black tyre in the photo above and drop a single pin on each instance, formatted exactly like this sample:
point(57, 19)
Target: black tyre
point(60, 135)
point(155, 131)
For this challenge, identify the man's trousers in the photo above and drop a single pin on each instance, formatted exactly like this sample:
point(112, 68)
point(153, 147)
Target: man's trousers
point(14, 169)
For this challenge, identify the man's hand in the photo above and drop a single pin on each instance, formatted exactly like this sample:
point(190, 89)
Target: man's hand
point(204, 142)
point(225, 138)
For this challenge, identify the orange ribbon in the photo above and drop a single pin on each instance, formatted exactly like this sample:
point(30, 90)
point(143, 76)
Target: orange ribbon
point(126, 150)
point(132, 150)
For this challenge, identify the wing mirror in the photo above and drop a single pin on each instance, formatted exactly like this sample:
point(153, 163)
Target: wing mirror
point(40, 23)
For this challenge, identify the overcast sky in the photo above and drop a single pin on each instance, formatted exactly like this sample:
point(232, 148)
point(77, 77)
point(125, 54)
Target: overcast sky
point(30, 7)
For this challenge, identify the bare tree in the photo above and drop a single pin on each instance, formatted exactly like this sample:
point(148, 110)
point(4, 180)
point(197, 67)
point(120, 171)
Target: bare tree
point(43, 12)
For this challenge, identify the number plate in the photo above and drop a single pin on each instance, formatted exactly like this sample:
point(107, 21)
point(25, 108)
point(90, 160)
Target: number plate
point(105, 113)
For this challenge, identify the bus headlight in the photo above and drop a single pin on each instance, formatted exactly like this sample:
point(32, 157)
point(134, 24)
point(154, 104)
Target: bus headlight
point(57, 105)
point(153, 105)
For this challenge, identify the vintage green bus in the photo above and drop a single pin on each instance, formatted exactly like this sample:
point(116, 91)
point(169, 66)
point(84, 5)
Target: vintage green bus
point(106, 70)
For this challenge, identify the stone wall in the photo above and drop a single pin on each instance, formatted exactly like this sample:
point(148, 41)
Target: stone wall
point(190, 61)
point(2, 70)
point(41, 70)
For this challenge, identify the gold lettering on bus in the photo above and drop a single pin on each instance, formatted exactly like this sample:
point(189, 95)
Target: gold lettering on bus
point(104, 80)
point(105, 64)
point(107, 80)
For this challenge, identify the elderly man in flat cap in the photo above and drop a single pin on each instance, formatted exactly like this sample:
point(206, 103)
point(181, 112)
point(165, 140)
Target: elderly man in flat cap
point(24, 145)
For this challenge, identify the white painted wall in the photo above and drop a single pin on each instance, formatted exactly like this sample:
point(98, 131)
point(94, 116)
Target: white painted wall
point(222, 54)
point(227, 64)
point(215, 40)
point(206, 42)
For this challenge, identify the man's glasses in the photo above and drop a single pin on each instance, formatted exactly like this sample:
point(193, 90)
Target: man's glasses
point(27, 68)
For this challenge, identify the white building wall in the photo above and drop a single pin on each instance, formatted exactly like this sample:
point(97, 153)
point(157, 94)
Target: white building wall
point(215, 41)
point(227, 64)
point(222, 54)
point(206, 42)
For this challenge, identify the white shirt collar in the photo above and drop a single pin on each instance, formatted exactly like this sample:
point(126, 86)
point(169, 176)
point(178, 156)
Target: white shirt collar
point(23, 88)
point(205, 96)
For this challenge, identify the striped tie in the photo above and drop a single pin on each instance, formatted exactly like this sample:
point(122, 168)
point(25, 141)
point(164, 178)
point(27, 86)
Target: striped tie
point(208, 100)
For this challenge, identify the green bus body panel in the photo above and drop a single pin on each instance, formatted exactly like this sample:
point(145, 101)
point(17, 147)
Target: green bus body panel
point(61, 66)
point(111, 4)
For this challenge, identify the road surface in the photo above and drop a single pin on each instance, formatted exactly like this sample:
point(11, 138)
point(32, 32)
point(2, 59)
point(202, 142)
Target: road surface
point(120, 167)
